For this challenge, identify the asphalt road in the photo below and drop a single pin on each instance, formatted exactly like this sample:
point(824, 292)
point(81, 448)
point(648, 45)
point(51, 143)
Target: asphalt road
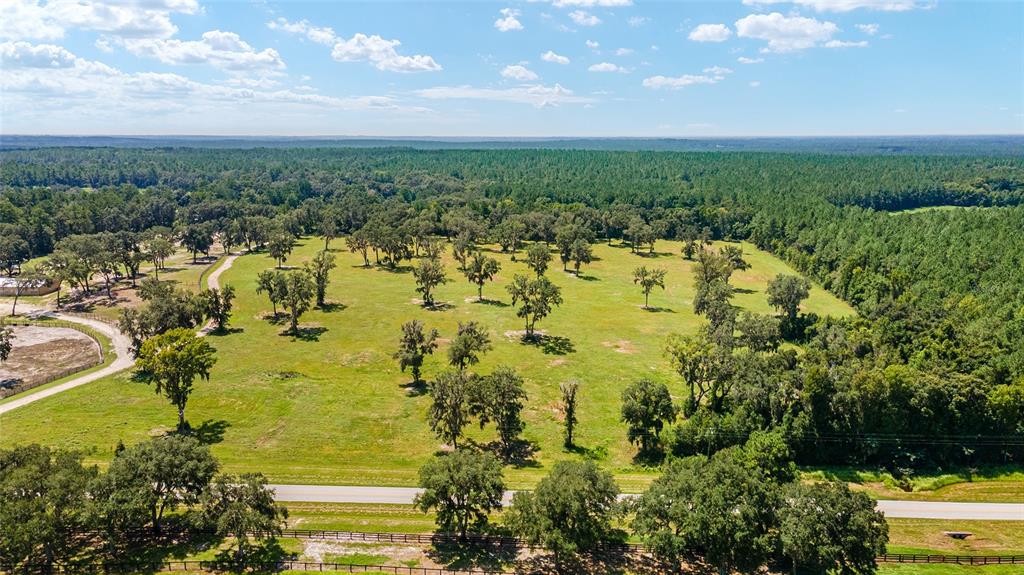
point(895, 509)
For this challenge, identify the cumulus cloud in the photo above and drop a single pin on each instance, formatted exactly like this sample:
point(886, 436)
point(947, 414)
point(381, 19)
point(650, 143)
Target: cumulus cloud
point(592, 3)
point(593, 45)
point(869, 29)
point(658, 82)
point(844, 44)
point(550, 56)
point(745, 60)
point(536, 95)
point(607, 67)
point(718, 72)
point(382, 54)
point(519, 72)
point(846, 5)
point(624, 51)
point(584, 18)
point(637, 21)
point(785, 33)
point(509, 20)
point(710, 33)
point(320, 35)
point(51, 19)
point(224, 50)
point(755, 84)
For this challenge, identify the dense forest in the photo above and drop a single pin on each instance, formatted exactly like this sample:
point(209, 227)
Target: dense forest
point(930, 373)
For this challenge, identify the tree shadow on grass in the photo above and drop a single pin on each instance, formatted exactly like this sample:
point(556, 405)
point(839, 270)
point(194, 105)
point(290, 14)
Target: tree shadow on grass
point(305, 333)
point(209, 432)
point(491, 302)
point(649, 457)
point(473, 554)
point(331, 306)
point(588, 278)
point(414, 388)
point(656, 309)
point(550, 344)
point(743, 290)
point(654, 255)
point(394, 269)
point(519, 455)
point(439, 306)
point(225, 331)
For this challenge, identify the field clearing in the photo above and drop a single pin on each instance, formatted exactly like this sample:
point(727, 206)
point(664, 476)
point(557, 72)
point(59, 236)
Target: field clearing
point(333, 408)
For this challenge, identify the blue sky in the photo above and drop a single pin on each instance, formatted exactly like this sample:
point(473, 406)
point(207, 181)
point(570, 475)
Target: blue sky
point(531, 68)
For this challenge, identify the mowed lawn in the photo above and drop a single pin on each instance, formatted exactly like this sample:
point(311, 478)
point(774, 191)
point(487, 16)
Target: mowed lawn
point(334, 408)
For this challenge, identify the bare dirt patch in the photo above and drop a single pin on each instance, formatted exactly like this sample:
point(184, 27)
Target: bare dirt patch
point(556, 362)
point(521, 333)
point(620, 346)
point(41, 353)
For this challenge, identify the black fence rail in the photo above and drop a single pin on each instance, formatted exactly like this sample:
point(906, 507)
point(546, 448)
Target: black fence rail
point(436, 538)
point(116, 568)
point(957, 559)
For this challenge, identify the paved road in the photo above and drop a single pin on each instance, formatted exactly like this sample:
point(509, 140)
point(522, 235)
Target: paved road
point(123, 361)
point(405, 495)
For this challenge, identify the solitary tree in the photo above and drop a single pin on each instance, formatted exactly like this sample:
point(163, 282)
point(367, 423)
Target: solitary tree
point(428, 275)
point(414, 346)
point(216, 305)
point(480, 269)
point(463, 488)
point(449, 407)
point(297, 297)
point(280, 246)
point(499, 398)
point(569, 391)
point(538, 256)
point(535, 298)
point(271, 282)
point(785, 294)
point(827, 528)
point(646, 408)
point(580, 253)
point(158, 249)
point(571, 509)
point(172, 361)
point(648, 280)
point(735, 256)
point(471, 341)
point(6, 342)
point(243, 507)
point(359, 243)
point(320, 269)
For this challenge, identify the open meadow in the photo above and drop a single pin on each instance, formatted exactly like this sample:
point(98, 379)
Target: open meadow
point(332, 407)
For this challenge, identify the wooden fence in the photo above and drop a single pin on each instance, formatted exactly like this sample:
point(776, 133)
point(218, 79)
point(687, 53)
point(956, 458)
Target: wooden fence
point(49, 322)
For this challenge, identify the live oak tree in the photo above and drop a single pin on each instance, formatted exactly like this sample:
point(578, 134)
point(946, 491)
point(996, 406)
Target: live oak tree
point(648, 280)
point(320, 270)
point(463, 488)
point(172, 361)
point(510, 234)
point(646, 408)
point(297, 297)
point(359, 243)
point(785, 294)
point(470, 342)
point(535, 298)
point(499, 398)
point(197, 238)
point(704, 367)
point(158, 249)
point(449, 406)
point(243, 507)
point(280, 246)
point(216, 305)
point(157, 476)
point(827, 528)
point(580, 253)
point(429, 274)
point(571, 510)
point(462, 246)
point(711, 278)
point(414, 346)
point(735, 256)
point(538, 256)
point(480, 269)
point(758, 332)
point(569, 391)
point(272, 282)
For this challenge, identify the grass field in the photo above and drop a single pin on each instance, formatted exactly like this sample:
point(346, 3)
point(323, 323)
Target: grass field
point(336, 410)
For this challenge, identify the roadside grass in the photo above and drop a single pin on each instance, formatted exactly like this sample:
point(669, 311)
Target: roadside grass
point(926, 536)
point(333, 408)
point(991, 484)
point(940, 569)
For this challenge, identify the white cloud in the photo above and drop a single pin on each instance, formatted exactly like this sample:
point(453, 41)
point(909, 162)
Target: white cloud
point(785, 33)
point(657, 82)
point(755, 84)
point(550, 56)
point(509, 20)
point(718, 72)
point(869, 29)
point(710, 33)
point(224, 50)
point(637, 21)
point(592, 3)
point(845, 44)
point(583, 18)
point(382, 54)
point(320, 35)
point(846, 5)
point(518, 72)
point(593, 45)
point(745, 60)
point(624, 51)
point(50, 20)
point(607, 67)
point(536, 95)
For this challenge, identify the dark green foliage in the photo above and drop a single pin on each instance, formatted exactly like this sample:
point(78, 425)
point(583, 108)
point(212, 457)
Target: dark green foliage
point(243, 507)
point(172, 361)
point(480, 269)
point(428, 275)
point(499, 398)
point(6, 342)
point(646, 408)
point(569, 391)
point(320, 270)
point(414, 346)
point(462, 487)
point(535, 299)
point(448, 414)
point(471, 341)
point(216, 305)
